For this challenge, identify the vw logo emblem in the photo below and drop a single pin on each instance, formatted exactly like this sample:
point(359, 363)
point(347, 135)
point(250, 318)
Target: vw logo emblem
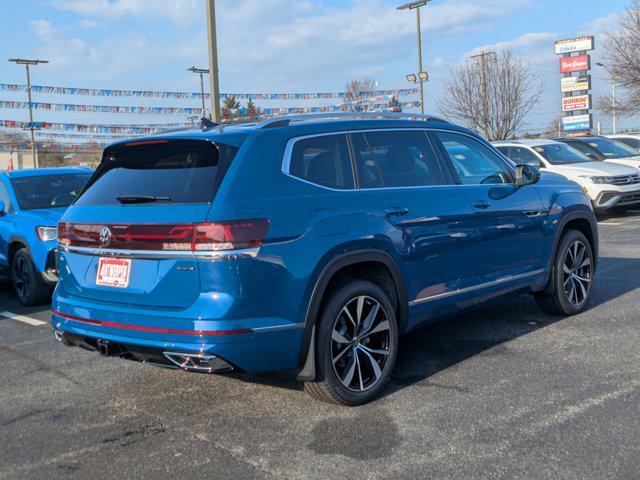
point(105, 236)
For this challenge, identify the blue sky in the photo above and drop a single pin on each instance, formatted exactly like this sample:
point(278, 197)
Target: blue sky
point(279, 45)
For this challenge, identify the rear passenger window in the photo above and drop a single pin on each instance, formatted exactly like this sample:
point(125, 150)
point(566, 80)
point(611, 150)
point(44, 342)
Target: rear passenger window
point(401, 158)
point(323, 160)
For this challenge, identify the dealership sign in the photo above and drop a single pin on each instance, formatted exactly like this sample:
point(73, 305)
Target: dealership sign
point(575, 64)
point(575, 84)
point(574, 45)
point(576, 123)
point(580, 63)
point(581, 102)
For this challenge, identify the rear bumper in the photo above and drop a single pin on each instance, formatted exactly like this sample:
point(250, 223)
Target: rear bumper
point(192, 362)
point(224, 344)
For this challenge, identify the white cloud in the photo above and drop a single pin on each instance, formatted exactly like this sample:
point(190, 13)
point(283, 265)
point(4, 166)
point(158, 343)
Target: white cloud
point(181, 11)
point(271, 44)
point(122, 55)
point(89, 23)
point(291, 43)
point(602, 25)
point(43, 29)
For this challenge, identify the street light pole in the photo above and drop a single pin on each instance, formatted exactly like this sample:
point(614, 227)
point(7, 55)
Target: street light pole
point(614, 119)
point(201, 72)
point(614, 115)
point(27, 63)
point(420, 59)
point(213, 61)
point(416, 6)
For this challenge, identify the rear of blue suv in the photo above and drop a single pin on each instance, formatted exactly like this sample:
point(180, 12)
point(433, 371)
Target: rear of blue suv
point(309, 247)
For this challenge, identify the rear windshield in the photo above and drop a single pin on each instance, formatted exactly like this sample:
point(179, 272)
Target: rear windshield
point(48, 191)
point(159, 172)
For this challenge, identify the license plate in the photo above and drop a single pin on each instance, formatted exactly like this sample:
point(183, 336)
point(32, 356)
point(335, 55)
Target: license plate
point(114, 272)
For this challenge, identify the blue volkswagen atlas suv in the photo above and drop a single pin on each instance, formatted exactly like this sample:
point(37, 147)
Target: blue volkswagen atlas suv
point(31, 203)
point(309, 244)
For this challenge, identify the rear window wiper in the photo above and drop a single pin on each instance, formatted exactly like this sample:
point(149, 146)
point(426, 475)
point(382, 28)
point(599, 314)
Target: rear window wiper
point(141, 198)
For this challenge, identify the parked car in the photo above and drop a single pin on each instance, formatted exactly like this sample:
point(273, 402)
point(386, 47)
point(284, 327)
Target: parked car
point(607, 184)
point(630, 139)
point(31, 203)
point(309, 244)
point(602, 149)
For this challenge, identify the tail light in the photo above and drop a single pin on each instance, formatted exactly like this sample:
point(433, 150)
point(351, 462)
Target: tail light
point(218, 236)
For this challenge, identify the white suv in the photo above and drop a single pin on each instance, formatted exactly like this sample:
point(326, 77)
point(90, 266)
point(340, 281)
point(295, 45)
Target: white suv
point(607, 184)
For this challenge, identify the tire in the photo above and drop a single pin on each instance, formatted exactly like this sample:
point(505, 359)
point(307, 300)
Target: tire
point(572, 283)
point(364, 363)
point(28, 284)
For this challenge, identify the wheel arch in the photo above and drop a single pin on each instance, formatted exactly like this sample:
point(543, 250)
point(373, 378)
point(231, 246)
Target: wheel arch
point(343, 263)
point(15, 243)
point(585, 224)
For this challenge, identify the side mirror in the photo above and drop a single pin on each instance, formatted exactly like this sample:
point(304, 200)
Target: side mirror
point(2, 207)
point(526, 175)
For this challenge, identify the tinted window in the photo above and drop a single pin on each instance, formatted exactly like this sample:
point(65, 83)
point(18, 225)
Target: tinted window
point(396, 159)
point(587, 150)
point(632, 142)
point(4, 196)
point(48, 191)
point(474, 162)
point(521, 156)
point(611, 148)
point(323, 160)
point(171, 172)
point(561, 154)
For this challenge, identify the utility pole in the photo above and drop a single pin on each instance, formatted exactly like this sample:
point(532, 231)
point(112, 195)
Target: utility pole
point(416, 6)
point(213, 61)
point(482, 58)
point(27, 63)
point(201, 72)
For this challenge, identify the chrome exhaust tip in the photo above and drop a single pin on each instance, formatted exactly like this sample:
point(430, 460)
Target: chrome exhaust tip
point(194, 362)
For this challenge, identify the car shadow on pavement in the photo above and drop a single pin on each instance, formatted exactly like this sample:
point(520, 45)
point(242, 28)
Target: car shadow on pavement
point(485, 331)
point(10, 303)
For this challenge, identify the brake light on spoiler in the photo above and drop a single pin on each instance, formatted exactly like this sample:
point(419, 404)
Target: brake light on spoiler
point(196, 237)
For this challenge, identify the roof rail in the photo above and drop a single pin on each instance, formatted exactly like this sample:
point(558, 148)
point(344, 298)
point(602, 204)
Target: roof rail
point(286, 120)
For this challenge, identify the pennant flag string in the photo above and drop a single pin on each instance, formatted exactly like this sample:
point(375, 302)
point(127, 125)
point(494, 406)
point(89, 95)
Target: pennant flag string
point(116, 109)
point(95, 128)
point(13, 87)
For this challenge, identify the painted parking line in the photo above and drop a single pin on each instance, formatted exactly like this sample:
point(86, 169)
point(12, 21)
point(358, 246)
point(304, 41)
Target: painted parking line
point(612, 224)
point(23, 318)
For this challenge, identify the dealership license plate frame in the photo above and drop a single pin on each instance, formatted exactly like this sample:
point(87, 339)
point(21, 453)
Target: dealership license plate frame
point(106, 277)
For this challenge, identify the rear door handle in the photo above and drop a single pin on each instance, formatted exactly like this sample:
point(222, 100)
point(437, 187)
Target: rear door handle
point(396, 211)
point(481, 205)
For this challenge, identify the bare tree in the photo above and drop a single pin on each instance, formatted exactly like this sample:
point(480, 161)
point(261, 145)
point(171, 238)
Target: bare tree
point(554, 129)
point(492, 95)
point(622, 57)
point(355, 87)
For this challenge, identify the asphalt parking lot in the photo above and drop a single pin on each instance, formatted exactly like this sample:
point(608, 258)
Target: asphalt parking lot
point(502, 392)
